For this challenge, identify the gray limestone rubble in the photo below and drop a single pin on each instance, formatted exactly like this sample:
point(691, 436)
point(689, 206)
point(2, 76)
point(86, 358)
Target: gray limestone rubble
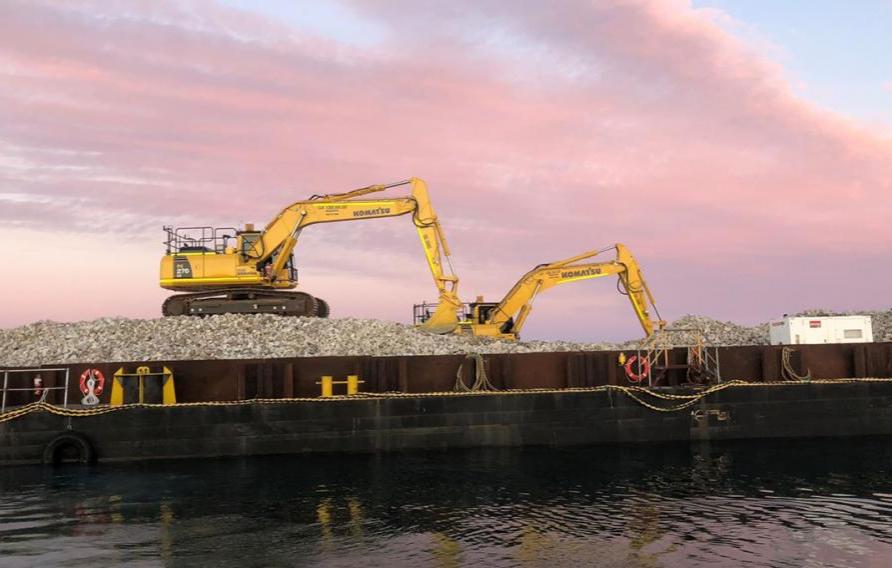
point(261, 336)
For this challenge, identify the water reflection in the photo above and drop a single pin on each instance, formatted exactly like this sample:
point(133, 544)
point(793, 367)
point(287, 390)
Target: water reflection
point(778, 504)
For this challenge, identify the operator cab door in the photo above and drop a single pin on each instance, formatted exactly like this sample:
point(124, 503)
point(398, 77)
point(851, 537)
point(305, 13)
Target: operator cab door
point(248, 249)
point(249, 245)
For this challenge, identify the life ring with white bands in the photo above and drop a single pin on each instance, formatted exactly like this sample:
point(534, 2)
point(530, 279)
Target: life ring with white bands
point(97, 376)
point(643, 369)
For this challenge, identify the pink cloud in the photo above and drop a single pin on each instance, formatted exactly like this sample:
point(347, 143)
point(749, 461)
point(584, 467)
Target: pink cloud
point(543, 128)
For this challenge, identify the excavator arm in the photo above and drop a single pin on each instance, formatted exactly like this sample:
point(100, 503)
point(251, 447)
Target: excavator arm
point(507, 318)
point(281, 235)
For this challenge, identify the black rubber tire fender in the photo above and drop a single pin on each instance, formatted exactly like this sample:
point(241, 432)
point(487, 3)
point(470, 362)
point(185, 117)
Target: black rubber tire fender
point(86, 452)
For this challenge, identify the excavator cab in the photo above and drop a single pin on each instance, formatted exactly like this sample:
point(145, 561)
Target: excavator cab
point(480, 311)
point(249, 243)
point(471, 314)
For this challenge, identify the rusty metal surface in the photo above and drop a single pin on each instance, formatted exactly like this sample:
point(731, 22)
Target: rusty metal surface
point(209, 380)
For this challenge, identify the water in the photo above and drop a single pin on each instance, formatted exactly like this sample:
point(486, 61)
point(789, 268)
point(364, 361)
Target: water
point(782, 504)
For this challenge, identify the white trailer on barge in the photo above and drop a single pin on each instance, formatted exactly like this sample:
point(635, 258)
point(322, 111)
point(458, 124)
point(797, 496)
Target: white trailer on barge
point(804, 330)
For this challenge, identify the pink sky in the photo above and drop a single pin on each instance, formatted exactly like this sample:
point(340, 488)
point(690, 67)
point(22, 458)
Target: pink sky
point(543, 130)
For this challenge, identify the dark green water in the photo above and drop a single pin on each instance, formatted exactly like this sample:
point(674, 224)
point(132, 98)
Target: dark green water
point(783, 504)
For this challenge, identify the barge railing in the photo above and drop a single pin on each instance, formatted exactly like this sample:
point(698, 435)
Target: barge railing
point(43, 389)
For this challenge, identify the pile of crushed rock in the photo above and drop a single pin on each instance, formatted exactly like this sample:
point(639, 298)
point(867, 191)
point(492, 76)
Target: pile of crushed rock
point(729, 333)
point(260, 336)
point(239, 337)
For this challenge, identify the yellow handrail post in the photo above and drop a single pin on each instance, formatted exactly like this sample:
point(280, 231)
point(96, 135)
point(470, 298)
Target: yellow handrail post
point(352, 384)
point(328, 383)
point(168, 392)
point(327, 386)
point(117, 392)
point(141, 373)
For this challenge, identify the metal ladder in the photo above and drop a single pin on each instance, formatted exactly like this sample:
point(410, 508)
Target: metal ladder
point(702, 356)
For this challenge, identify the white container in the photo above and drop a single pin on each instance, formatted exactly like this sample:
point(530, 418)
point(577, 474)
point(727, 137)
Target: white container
point(821, 329)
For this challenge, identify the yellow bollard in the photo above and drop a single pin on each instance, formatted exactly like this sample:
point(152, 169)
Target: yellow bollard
point(327, 386)
point(328, 383)
point(352, 384)
point(168, 390)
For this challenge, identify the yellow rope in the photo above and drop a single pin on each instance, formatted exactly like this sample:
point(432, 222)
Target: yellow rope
point(481, 381)
point(788, 372)
point(638, 394)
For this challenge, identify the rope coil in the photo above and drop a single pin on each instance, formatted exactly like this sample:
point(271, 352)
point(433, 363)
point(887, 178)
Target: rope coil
point(787, 363)
point(481, 381)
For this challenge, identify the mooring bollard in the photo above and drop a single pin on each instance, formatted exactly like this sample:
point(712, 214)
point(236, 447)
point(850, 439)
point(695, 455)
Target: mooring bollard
point(168, 390)
point(327, 386)
point(328, 383)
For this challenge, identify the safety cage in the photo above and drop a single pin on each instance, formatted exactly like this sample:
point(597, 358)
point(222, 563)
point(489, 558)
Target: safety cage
point(182, 240)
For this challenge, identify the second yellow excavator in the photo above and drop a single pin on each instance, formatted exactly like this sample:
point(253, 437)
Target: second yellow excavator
point(505, 319)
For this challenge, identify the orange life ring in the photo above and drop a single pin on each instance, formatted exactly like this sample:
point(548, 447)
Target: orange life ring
point(644, 367)
point(97, 376)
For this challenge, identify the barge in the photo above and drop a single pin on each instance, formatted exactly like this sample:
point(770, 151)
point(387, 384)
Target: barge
point(276, 406)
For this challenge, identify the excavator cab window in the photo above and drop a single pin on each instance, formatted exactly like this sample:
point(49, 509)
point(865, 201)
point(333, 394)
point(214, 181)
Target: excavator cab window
point(482, 311)
point(249, 246)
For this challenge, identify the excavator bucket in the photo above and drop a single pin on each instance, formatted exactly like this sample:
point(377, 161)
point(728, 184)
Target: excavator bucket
point(444, 319)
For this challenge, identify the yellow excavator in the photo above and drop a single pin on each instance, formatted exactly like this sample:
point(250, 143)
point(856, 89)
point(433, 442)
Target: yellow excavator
point(505, 319)
point(225, 270)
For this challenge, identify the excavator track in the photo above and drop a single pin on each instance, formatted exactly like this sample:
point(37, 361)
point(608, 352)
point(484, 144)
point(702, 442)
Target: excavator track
point(245, 301)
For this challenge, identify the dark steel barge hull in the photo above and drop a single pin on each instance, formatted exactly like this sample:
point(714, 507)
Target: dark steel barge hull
point(445, 421)
point(273, 406)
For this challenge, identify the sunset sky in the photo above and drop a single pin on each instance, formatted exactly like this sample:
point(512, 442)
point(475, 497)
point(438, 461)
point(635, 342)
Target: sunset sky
point(742, 149)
